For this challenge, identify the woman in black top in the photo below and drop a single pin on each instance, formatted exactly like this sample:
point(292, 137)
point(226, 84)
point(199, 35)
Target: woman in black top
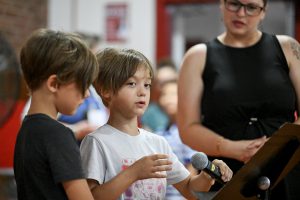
point(238, 89)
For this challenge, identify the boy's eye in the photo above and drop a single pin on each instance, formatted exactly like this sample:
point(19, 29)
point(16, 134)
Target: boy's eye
point(131, 84)
point(148, 85)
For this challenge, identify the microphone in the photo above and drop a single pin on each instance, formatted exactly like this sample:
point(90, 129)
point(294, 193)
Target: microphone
point(200, 162)
point(263, 183)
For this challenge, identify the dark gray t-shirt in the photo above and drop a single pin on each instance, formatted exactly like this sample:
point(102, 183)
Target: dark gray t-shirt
point(46, 154)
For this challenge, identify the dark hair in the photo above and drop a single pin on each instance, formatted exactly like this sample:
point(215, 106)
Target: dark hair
point(166, 62)
point(171, 81)
point(265, 2)
point(116, 66)
point(49, 52)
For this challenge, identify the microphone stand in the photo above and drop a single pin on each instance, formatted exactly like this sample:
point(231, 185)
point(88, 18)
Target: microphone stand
point(264, 195)
point(263, 185)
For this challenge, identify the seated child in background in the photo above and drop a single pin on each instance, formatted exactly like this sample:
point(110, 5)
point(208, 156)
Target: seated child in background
point(168, 102)
point(122, 161)
point(58, 68)
point(154, 118)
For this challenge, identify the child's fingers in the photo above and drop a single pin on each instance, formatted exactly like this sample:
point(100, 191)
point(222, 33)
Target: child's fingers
point(225, 170)
point(162, 162)
point(159, 156)
point(162, 168)
point(227, 175)
point(159, 175)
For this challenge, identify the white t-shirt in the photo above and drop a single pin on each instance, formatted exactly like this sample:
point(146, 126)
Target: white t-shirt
point(107, 151)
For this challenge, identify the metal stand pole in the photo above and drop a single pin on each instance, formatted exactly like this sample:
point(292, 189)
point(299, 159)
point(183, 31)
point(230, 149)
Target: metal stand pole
point(263, 184)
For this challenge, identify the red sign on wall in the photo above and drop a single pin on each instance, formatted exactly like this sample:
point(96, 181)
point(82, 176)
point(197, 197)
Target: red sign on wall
point(116, 23)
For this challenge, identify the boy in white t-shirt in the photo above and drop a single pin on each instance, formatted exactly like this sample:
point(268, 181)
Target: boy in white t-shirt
point(122, 161)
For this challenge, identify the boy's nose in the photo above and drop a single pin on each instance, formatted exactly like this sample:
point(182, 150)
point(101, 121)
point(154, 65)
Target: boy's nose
point(141, 91)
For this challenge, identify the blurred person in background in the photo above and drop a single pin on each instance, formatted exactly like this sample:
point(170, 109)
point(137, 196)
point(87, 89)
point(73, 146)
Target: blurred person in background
point(155, 119)
point(168, 102)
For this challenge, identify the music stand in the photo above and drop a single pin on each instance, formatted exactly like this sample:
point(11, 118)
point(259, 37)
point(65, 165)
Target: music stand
point(274, 160)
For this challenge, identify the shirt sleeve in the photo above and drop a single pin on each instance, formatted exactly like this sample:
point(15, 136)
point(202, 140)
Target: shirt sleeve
point(178, 172)
point(188, 152)
point(92, 159)
point(63, 155)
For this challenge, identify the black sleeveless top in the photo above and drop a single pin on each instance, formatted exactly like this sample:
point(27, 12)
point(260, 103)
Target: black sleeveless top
point(248, 92)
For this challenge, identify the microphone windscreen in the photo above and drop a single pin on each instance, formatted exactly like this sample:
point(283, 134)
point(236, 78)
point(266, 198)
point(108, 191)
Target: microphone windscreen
point(199, 160)
point(263, 183)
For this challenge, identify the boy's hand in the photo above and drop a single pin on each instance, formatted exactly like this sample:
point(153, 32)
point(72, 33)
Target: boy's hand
point(224, 169)
point(152, 166)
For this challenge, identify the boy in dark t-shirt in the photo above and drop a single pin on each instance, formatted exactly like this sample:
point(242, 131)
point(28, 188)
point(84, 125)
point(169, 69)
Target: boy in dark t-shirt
point(58, 69)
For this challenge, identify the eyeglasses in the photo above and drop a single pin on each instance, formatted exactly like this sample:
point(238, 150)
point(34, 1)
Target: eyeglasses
point(250, 9)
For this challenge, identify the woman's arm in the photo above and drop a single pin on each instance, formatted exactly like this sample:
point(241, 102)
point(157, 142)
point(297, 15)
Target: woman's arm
point(190, 89)
point(291, 49)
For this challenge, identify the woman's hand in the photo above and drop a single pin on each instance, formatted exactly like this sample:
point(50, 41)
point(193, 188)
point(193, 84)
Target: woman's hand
point(242, 150)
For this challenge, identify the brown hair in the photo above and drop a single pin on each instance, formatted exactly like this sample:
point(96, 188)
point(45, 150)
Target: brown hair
point(265, 2)
point(166, 62)
point(116, 66)
point(49, 52)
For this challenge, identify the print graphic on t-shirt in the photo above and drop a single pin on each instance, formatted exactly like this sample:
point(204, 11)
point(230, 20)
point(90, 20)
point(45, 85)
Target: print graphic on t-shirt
point(153, 189)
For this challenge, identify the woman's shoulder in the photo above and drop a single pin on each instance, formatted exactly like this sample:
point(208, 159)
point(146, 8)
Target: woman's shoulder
point(194, 59)
point(290, 47)
point(197, 49)
point(286, 40)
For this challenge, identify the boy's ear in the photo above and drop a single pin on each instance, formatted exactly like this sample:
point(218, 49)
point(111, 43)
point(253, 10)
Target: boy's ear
point(51, 83)
point(106, 95)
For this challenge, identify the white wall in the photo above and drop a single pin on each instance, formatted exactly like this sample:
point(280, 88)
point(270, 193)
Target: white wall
point(202, 22)
point(59, 14)
point(88, 16)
